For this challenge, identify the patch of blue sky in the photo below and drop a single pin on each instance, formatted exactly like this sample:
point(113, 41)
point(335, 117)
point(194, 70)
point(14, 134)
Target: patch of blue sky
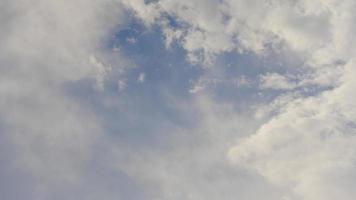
point(143, 109)
point(235, 79)
point(150, 1)
point(162, 67)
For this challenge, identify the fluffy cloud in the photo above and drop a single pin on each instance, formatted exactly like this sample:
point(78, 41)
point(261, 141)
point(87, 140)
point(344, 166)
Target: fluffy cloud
point(212, 27)
point(307, 143)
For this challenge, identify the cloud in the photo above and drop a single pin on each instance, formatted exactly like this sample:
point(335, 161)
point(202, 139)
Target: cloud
point(193, 159)
point(276, 81)
point(308, 146)
point(100, 71)
point(293, 139)
point(209, 28)
point(307, 142)
point(141, 78)
point(46, 46)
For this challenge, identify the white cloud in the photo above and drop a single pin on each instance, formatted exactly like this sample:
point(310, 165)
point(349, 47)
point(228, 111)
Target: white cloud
point(196, 89)
point(121, 85)
point(276, 81)
point(308, 144)
point(305, 145)
point(209, 28)
point(141, 78)
point(100, 71)
point(131, 40)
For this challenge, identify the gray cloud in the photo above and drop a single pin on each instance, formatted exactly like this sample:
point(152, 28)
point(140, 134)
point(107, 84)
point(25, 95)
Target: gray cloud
point(45, 45)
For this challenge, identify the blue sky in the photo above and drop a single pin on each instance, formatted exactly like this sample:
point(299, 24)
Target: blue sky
point(177, 100)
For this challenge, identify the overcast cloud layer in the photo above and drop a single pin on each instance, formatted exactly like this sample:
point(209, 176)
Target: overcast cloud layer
point(177, 99)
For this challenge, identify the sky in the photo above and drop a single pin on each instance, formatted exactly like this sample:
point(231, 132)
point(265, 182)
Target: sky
point(177, 100)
